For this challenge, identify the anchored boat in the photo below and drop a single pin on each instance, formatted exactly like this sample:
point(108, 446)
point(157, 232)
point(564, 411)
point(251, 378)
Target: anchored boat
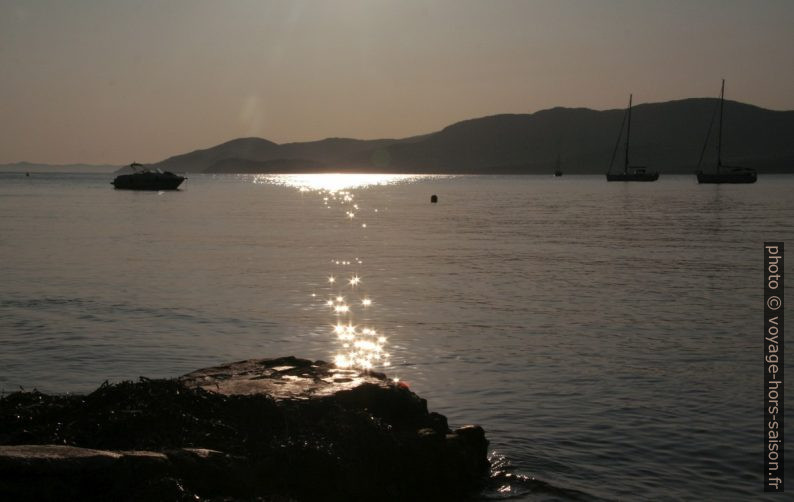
point(724, 174)
point(630, 173)
point(143, 178)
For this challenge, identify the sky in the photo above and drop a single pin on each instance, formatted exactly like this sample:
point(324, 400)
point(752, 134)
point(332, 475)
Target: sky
point(112, 81)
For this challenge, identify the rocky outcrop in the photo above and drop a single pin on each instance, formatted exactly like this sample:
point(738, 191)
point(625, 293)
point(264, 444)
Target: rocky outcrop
point(274, 429)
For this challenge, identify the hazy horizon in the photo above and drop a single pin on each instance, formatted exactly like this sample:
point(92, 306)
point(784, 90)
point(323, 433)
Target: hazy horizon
point(111, 82)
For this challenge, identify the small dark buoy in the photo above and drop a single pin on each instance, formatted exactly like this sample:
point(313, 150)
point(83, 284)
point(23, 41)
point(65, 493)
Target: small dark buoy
point(434, 199)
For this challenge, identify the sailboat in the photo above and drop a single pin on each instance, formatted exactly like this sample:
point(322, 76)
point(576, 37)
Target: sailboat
point(630, 173)
point(557, 170)
point(724, 174)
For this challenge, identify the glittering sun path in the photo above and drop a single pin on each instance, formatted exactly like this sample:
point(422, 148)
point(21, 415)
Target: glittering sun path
point(361, 347)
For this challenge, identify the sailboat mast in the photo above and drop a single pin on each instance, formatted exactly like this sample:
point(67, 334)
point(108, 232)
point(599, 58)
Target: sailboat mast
point(719, 135)
point(628, 133)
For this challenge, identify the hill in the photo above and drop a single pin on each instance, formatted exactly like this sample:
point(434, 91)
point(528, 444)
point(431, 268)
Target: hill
point(665, 136)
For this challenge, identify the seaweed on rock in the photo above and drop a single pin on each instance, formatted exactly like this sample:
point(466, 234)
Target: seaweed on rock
point(283, 427)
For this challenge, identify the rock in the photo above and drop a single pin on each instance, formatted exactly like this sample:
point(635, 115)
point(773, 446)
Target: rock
point(57, 472)
point(274, 429)
point(283, 378)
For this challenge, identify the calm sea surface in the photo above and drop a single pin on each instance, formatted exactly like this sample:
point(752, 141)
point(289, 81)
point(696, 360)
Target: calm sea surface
point(606, 335)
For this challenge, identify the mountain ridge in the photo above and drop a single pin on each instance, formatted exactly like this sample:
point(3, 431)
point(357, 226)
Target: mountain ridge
point(667, 136)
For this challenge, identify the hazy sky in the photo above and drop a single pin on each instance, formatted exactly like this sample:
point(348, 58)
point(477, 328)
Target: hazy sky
point(114, 81)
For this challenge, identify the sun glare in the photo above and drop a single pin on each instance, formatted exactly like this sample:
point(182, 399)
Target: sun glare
point(356, 347)
point(334, 182)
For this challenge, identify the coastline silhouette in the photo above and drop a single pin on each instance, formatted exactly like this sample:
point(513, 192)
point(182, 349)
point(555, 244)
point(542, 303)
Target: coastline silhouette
point(670, 140)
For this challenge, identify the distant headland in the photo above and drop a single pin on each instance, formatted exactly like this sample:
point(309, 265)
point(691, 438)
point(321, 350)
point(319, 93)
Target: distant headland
point(667, 137)
point(33, 167)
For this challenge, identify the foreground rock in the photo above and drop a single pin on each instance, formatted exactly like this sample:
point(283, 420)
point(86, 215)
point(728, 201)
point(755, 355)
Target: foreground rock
point(277, 429)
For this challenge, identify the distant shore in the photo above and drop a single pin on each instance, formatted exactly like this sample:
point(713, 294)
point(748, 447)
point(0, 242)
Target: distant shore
point(667, 137)
point(507, 171)
point(29, 167)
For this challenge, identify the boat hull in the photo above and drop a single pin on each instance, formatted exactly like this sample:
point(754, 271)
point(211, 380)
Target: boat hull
point(632, 176)
point(148, 181)
point(727, 177)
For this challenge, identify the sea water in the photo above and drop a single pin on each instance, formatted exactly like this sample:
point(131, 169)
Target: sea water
point(607, 336)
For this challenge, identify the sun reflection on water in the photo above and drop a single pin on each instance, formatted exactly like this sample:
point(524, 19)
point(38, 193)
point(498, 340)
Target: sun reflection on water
point(334, 182)
point(357, 346)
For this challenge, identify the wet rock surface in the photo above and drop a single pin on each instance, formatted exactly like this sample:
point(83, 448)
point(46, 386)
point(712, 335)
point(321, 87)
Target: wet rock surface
point(270, 429)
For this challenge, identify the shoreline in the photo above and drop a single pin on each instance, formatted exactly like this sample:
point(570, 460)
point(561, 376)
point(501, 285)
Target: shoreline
point(284, 427)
